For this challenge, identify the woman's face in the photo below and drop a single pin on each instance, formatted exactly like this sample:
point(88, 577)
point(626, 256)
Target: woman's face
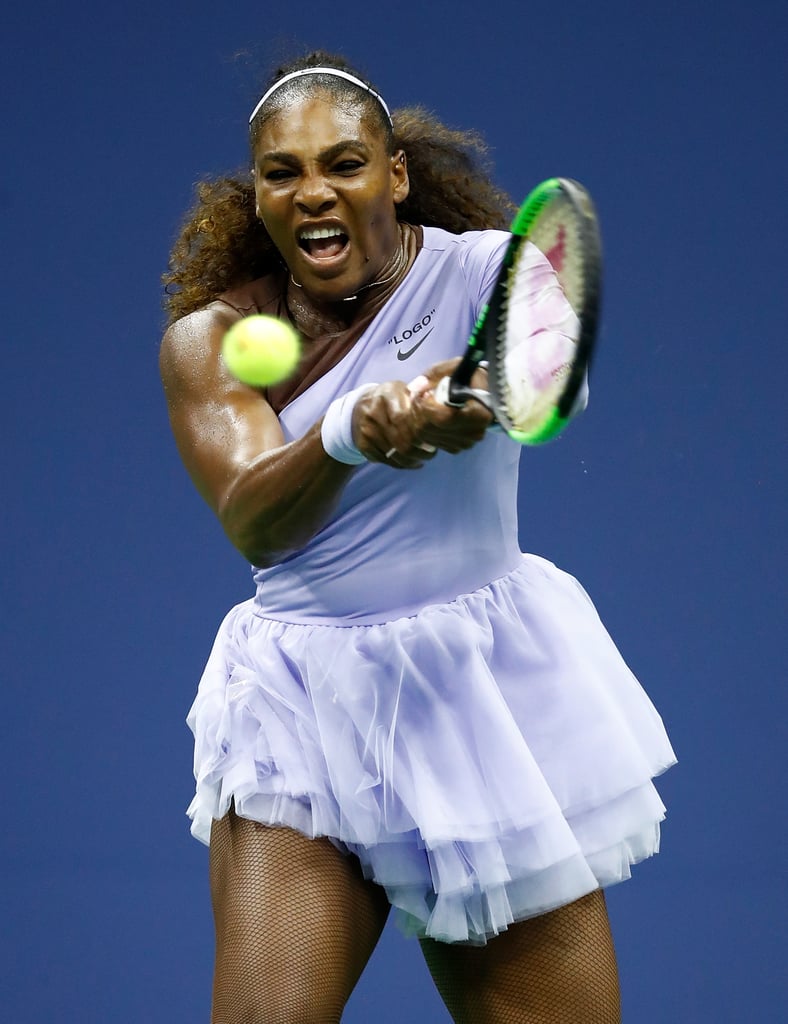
point(326, 189)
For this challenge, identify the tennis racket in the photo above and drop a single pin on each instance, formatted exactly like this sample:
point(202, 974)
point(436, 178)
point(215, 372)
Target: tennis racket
point(538, 330)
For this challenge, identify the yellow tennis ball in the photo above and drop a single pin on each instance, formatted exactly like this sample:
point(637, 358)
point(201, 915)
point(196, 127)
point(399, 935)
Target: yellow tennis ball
point(261, 350)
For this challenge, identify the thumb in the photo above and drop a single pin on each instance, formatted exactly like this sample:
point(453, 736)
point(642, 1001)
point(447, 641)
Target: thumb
point(419, 385)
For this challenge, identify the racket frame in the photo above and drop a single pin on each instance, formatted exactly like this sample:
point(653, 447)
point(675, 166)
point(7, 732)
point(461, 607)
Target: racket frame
point(483, 344)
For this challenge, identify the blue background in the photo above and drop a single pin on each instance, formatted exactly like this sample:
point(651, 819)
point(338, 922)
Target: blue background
point(667, 500)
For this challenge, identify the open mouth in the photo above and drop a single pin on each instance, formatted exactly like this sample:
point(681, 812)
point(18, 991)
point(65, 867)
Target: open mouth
point(323, 243)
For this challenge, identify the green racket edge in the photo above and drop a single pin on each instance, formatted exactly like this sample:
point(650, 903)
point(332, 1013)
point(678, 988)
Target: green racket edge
point(551, 428)
point(521, 225)
point(531, 208)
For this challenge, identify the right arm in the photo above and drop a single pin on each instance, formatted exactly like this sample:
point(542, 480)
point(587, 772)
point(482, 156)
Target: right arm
point(270, 496)
point(273, 496)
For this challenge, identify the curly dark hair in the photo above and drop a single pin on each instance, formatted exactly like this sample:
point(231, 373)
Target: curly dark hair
point(223, 244)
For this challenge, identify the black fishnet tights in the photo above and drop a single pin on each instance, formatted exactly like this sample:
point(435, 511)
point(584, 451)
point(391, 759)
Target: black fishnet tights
point(295, 925)
point(559, 968)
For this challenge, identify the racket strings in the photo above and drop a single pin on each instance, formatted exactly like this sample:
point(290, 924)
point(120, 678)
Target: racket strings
point(559, 236)
point(538, 330)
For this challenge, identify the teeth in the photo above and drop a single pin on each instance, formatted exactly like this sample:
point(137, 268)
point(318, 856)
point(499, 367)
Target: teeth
point(320, 233)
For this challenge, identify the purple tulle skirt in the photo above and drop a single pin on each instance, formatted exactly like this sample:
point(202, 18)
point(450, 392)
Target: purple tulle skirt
point(487, 760)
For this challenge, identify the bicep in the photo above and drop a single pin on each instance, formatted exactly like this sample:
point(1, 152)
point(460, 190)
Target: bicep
point(220, 425)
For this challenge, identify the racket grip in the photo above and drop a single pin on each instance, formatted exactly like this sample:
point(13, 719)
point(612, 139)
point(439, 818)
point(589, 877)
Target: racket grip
point(441, 392)
point(455, 395)
point(449, 392)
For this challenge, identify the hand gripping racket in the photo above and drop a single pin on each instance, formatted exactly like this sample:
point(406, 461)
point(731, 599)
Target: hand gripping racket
point(537, 332)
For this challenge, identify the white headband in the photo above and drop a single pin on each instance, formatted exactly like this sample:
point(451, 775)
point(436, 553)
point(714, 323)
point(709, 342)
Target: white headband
point(321, 71)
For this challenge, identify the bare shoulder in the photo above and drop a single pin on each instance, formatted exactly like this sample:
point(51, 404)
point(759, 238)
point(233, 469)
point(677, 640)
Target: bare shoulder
point(190, 347)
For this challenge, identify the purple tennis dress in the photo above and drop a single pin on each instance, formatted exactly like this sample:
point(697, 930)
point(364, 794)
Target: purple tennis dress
point(415, 688)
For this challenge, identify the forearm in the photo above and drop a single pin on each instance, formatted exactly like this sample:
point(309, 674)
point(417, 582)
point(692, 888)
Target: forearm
point(278, 501)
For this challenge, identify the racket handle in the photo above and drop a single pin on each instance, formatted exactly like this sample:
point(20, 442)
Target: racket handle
point(456, 395)
point(442, 392)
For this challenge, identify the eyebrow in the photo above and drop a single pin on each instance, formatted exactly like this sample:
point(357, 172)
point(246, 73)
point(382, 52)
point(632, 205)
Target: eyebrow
point(324, 156)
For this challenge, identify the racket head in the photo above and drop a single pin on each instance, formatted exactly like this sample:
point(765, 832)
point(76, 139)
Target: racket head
point(540, 327)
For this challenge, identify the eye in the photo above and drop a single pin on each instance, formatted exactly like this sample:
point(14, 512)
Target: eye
point(278, 174)
point(349, 166)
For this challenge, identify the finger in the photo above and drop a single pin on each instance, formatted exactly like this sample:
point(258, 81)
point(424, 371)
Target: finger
point(399, 461)
point(434, 415)
point(388, 431)
point(383, 421)
point(412, 458)
point(407, 448)
point(454, 430)
point(419, 385)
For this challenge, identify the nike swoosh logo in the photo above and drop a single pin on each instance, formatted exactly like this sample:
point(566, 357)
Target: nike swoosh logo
point(409, 353)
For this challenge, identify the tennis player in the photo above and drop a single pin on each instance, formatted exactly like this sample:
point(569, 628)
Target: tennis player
point(409, 713)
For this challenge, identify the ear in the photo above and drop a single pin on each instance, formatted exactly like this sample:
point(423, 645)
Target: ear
point(399, 176)
point(256, 203)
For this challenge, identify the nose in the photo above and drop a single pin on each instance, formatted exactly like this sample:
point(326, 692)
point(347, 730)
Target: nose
point(314, 193)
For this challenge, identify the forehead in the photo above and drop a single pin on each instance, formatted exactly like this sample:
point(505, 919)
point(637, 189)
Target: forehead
point(310, 124)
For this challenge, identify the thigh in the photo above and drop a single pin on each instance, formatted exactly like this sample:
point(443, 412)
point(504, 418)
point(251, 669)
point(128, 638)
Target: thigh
point(559, 968)
point(295, 924)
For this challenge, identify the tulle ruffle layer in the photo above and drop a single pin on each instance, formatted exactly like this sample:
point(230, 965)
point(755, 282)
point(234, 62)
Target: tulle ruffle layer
point(487, 759)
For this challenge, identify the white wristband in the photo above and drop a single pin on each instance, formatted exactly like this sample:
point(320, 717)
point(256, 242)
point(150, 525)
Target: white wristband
point(336, 431)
